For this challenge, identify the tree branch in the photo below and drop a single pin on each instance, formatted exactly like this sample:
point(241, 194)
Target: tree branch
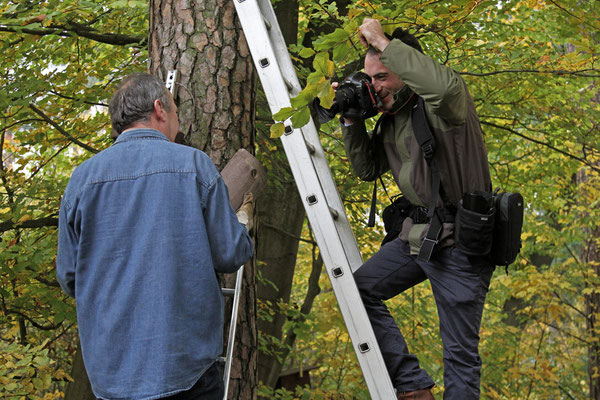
point(583, 21)
point(581, 160)
point(30, 224)
point(92, 103)
point(50, 327)
point(73, 29)
point(61, 130)
point(582, 73)
point(275, 228)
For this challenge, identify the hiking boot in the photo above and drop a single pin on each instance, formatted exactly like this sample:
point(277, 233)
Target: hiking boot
point(422, 394)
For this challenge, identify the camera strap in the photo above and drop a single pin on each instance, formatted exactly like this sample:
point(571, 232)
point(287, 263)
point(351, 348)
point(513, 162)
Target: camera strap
point(426, 141)
point(372, 212)
point(424, 136)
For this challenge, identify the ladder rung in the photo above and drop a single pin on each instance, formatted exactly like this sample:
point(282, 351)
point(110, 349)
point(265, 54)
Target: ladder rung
point(227, 291)
point(267, 23)
point(334, 213)
point(288, 84)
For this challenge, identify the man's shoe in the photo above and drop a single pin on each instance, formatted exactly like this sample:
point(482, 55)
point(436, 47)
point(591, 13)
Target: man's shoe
point(422, 394)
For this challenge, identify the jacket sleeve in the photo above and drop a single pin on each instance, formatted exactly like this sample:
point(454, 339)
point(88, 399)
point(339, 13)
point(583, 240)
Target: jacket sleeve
point(367, 157)
point(230, 243)
point(441, 87)
point(66, 257)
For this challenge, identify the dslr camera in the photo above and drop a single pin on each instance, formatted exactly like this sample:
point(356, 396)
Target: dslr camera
point(355, 98)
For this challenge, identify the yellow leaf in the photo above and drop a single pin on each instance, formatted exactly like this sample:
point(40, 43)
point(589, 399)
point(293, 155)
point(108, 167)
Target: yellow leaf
point(24, 218)
point(277, 130)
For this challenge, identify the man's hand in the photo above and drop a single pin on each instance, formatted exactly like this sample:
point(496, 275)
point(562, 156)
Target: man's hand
point(245, 214)
point(371, 33)
point(347, 121)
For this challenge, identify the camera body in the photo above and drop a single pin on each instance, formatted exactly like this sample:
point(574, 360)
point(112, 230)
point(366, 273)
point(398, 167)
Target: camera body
point(355, 98)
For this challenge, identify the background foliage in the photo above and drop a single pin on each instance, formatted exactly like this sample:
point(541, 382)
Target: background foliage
point(532, 68)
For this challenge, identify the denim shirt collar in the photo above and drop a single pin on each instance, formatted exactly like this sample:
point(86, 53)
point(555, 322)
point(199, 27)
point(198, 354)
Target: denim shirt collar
point(140, 133)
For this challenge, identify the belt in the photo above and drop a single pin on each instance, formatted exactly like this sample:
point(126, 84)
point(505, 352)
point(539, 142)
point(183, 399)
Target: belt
point(419, 214)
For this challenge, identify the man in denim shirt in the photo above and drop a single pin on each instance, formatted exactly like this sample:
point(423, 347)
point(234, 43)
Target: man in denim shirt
point(144, 227)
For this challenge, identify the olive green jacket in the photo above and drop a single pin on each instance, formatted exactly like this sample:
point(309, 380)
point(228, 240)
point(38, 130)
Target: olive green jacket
point(460, 151)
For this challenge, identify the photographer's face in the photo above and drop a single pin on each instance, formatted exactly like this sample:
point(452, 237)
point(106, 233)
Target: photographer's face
point(385, 82)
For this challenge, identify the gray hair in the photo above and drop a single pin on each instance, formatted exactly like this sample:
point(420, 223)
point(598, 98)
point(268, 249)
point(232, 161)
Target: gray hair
point(134, 100)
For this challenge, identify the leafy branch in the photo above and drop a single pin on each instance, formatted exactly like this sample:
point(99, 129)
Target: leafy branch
point(548, 145)
point(61, 130)
point(29, 224)
point(49, 327)
point(585, 73)
point(75, 29)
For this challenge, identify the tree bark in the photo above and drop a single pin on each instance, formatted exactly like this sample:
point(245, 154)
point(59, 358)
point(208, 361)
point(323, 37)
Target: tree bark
point(215, 94)
point(590, 256)
point(281, 214)
point(215, 90)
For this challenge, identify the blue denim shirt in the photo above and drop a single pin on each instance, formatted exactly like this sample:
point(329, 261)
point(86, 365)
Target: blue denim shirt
point(143, 228)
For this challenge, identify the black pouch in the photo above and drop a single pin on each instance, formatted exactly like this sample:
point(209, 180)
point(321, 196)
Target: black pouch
point(507, 232)
point(474, 230)
point(393, 216)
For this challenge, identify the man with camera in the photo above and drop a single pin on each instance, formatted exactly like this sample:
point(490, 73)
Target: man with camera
point(401, 74)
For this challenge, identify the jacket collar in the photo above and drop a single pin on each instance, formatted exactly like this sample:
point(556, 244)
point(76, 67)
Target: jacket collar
point(140, 133)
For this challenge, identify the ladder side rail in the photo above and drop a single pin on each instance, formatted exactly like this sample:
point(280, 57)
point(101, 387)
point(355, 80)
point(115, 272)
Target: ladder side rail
point(273, 89)
point(340, 274)
point(279, 46)
point(310, 134)
point(332, 195)
point(232, 328)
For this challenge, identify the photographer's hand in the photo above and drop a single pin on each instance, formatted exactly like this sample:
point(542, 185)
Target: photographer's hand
point(346, 121)
point(371, 33)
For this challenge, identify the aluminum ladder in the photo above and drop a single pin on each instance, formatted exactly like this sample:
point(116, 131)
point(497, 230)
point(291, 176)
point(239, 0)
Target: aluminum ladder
point(227, 359)
point(316, 186)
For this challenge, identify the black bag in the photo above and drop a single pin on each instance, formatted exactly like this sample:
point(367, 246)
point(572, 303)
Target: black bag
point(507, 229)
point(490, 224)
point(474, 229)
point(393, 216)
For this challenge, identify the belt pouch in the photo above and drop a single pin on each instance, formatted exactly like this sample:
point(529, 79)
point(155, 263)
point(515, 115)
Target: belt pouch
point(473, 231)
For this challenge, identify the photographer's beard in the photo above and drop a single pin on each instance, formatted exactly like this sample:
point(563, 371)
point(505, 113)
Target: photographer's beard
point(393, 102)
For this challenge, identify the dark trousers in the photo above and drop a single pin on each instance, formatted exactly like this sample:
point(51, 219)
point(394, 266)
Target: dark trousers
point(459, 286)
point(210, 386)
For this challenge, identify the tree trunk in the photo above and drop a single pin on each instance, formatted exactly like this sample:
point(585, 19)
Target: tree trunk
point(281, 216)
point(215, 94)
point(80, 388)
point(215, 90)
point(592, 309)
point(591, 257)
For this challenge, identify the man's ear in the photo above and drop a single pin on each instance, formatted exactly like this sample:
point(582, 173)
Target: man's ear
point(159, 110)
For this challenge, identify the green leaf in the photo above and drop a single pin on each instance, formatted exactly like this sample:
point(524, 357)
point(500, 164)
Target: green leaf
point(341, 52)
point(327, 95)
point(284, 113)
point(301, 118)
point(306, 52)
point(277, 130)
point(322, 64)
